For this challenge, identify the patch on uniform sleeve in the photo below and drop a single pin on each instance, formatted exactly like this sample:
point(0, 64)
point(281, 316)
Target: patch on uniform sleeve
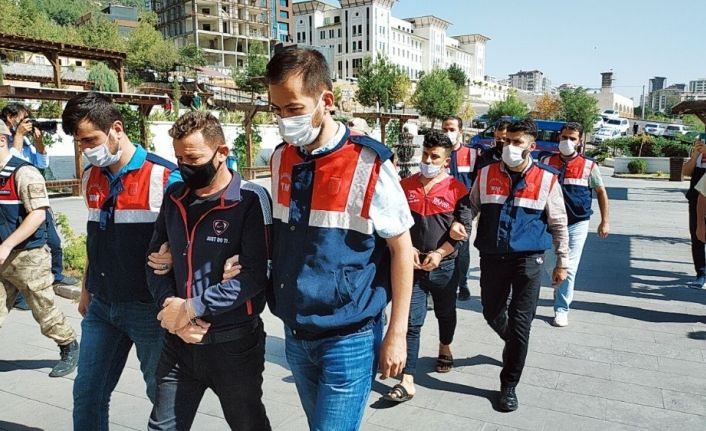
point(37, 191)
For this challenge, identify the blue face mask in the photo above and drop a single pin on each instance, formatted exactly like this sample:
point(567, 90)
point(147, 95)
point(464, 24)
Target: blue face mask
point(429, 171)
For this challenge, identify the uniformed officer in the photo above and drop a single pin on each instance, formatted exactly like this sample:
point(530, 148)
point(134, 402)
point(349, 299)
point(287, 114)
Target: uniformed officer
point(578, 176)
point(522, 212)
point(25, 263)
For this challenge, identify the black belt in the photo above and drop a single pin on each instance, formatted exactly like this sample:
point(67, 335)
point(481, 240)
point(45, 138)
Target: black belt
point(231, 334)
point(303, 335)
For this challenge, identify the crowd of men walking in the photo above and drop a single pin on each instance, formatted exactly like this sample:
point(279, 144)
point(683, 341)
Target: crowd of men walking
point(182, 259)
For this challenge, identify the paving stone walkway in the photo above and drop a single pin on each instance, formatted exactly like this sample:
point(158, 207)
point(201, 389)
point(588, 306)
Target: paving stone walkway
point(633, 356)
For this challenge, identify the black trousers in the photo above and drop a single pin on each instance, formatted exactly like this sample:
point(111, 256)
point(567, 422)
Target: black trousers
point(698, 254)
point(498, 275)
point(233, 370)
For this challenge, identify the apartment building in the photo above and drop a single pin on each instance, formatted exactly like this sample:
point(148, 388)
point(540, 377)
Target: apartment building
point(224, 29)
point(362, 28)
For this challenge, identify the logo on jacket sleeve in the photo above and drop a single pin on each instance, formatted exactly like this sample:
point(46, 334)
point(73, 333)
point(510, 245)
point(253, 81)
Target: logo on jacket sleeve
point(220, 226)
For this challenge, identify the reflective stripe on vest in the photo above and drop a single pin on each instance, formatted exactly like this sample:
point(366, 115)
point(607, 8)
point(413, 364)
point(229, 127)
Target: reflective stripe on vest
point(330, 208)
point(576, 172)
point(495, 187)
point(138, 202)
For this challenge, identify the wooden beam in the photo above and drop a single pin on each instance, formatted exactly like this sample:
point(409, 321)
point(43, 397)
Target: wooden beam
point(56, 65)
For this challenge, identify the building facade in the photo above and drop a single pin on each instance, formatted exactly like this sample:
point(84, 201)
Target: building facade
point(533, 81)
point(697, 86)
point(224, 29)
point(365, 28)
point(609, 99)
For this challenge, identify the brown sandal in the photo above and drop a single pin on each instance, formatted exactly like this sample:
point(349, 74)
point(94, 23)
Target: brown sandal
point(444, 363)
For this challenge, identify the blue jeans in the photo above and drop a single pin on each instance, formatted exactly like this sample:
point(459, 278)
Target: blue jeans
point(441, 283)
point(334, 376)
point(564, 294)
point(108, 333)
point(463, 262)
point(54, 243)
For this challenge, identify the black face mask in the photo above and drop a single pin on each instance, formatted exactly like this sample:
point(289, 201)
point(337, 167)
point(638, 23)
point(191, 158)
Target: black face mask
point(498, 149)
point(199, 176)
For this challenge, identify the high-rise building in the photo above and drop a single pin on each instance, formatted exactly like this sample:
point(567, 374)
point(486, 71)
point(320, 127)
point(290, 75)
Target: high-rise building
point(656, 83)
point(533, 81)
point(697, 86)
point(224, 29)
point(362, 28)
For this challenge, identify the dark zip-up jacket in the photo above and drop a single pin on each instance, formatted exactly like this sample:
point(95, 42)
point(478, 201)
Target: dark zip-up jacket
point(239, 224)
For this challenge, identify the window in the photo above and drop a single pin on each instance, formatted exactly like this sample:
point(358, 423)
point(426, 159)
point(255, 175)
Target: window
point(340, 48)
point(354, 47)
point(360, 45)
point(206, 27)
point(284, 3)
point(206, 11)
point(339, 32)
point(336, 19)
point(284, 14)
point(322, 34)
point(330, 34)
point(360, 28)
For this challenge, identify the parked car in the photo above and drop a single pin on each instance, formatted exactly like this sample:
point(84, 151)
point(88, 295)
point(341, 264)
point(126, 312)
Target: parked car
point(621, 124)
point(606, 133)
point(480, 122)
point(597, 123)
point(654, 129)
point(547, 137)
point(675, 130)
point(610, 114)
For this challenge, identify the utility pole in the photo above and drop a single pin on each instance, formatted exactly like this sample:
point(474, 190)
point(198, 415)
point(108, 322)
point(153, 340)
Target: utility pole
point(644, 102)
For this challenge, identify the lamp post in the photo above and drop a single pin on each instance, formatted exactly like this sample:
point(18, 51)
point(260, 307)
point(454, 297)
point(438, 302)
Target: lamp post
point(405, 153)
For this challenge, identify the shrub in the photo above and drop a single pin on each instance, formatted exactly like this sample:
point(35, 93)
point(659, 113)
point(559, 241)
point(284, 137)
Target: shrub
point(676, 149)
point(638, 166)
point(74, 247)
point(240, 147)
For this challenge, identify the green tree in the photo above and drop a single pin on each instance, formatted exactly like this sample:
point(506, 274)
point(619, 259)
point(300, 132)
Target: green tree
point(437, 95)
point(249, 78)
point(579, 106)
point(548, 107)
point(192, 55)
point(381, 83)
point(66, 12)
point(131, 123)
point(512, 106)
point(457, 75)
point(103, 78)
point(176, 97)
point(49, 109)
point(693, 122)
point(146, 48)
point(101, 33)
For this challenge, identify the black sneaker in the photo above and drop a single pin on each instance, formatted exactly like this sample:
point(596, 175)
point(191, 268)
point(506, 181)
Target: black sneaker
point(68, 362)
point(67, 281)
point(508, 399)
point(464, 294)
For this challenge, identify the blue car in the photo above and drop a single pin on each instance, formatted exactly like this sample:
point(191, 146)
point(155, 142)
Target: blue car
point(547, 137)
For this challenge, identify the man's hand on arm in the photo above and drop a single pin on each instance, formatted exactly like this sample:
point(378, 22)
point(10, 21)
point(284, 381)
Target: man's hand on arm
point(161, 261)
point(458, 231)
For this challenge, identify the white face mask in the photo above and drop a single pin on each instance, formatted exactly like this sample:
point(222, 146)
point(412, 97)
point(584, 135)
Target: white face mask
point(299, 131)
point(453, 136)
point(513, 156)
point(567, 147)
point(429, 171)
point(101, 156)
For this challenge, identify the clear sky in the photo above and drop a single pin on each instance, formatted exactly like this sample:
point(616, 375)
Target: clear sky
point(573, 41)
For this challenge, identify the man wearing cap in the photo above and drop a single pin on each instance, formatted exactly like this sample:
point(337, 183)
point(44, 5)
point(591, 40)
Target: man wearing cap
point(25, 263)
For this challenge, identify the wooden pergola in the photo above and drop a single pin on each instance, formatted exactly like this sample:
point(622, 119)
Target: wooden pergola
point(249, 171)
point(696, 107)
point(385, 118)
point(53, 50)
point(144, 102)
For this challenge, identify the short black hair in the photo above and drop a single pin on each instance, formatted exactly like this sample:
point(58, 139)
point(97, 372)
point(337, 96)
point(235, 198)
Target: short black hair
point(502, 124)
point(96, 108)
point(435, 138)
point(13, 109)
point(453, 117)
point(572, 125)
point(307, 63)
point(527, 127)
